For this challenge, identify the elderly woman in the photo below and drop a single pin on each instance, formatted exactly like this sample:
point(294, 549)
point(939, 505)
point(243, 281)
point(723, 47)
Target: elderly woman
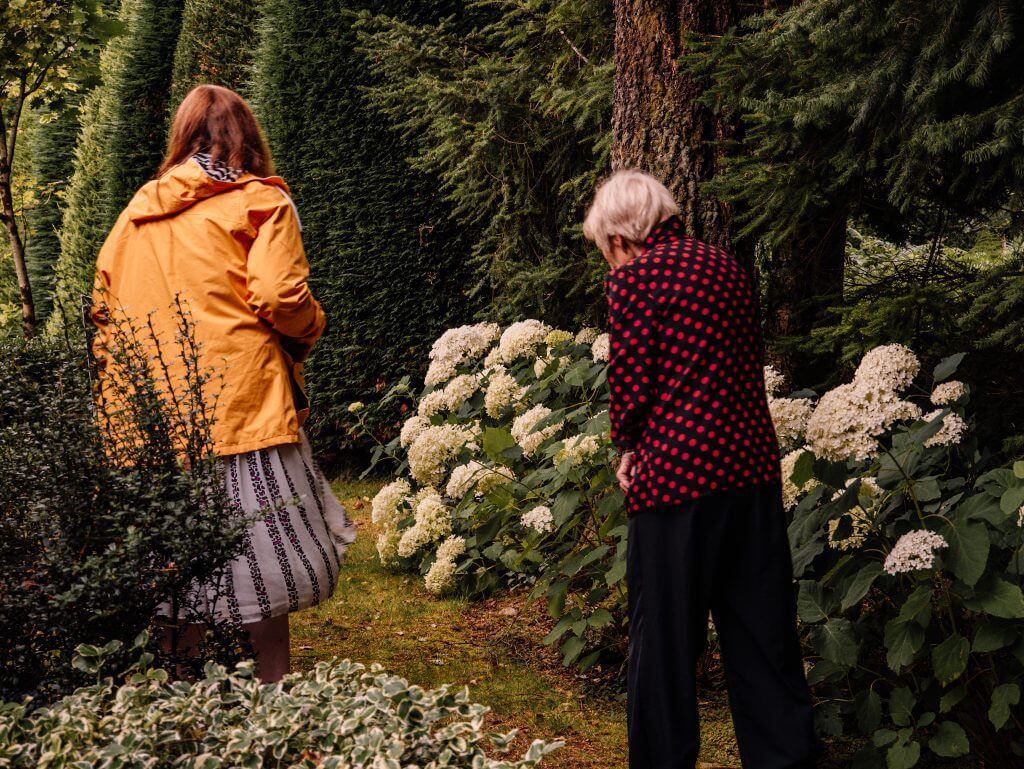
point(217, 230)
point(700, 468)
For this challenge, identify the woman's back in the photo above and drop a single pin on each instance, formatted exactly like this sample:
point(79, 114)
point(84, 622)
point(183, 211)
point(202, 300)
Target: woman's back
point(226, 245)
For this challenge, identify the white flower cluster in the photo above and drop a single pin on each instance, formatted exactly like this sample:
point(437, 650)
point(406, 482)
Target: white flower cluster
point(557, 336)
point(587, 335)
point(450, 397)
point(577, 449)
point(847, 421)
point(523, 429)
point(790, 416)
point(791, 492)
point(411, 430)
point(539, 519)
point(441, 576)
point(952, 432)
point(948, 392)
point(860, 516)
point(385, 512)
point(434, 448)
point(456, 346)
point(600, 350)
point(521, 339)
point(477, 476)
point(502, 392)
point(1020, 517)
point(433, 522)
point(773, 380)
point(914, 550)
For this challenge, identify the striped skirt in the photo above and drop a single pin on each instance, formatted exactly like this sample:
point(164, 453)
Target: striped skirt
point(291, 555)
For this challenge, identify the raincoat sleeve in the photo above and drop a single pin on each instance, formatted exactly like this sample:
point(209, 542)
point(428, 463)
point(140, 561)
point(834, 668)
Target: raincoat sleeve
point(278, 291)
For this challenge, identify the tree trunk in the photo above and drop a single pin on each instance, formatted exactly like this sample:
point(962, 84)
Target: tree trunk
point(28, 311)
point(657, 124)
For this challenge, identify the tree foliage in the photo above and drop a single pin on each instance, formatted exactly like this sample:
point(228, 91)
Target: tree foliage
point(513, 114)
point(388, 265)
point(215, 46)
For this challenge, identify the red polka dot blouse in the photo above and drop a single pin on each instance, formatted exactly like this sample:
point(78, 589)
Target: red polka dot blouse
point(686, 372)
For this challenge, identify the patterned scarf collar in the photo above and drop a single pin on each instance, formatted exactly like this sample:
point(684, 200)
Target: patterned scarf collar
point(215, 169)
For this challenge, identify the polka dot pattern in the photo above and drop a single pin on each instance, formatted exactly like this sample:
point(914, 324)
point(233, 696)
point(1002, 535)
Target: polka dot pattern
point(686, 372)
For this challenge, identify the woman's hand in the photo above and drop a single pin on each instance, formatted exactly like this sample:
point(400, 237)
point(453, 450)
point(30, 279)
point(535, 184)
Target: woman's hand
point(627, 468)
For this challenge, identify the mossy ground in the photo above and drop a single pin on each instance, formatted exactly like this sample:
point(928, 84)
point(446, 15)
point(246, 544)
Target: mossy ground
point(492, 647)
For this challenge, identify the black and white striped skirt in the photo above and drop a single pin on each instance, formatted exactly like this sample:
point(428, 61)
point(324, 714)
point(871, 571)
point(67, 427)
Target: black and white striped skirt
point(291, 555)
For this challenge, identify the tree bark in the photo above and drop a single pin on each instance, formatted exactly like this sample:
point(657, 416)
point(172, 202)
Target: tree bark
point(657, 124)
point(7, 214)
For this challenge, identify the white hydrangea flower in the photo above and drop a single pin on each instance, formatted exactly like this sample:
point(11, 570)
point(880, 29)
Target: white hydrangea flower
point(773, 380)
point(847, 421)
point(557, 336)
point(948, 392)
point(456, 346)
point(587, 335)
point(578, 449)
point(889, 368)
point(1020, 517)
point(600, 350)
point(413, 426)
point(433, 522)
point(953, 429)
point(441, 576)
point(477, 476)
point(450, 397)
point(914, 550)
point(521, 340)
point(791, 493)
point(387, 545)
point(385, 504)
point(790, 416)
point(523, 429)
point(434, 448)
point(539, 519)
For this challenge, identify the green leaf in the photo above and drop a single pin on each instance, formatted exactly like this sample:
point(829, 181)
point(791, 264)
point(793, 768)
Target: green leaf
point(869, 711)
point(1012, 500)
point(564, 506)
point(917, 607)
point(949, 740)
point(803, 470)
point(860, 585)
point(902, 640)
point(1003, 698)
point(811, 605)
point(990, 636)
point(496, 440)
point(1000, 599)
point(901, 706)
point(948, 366)
point(836, 642)
point(615, 574)
point(949, 658)
point(952, 698)
point(903, 755)
point(1018, 469)
point(600, 618)
point(571, 650)
point(968, 549)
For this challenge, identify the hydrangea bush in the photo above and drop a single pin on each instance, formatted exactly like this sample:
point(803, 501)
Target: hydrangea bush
point(339, 715)
point(908, 550)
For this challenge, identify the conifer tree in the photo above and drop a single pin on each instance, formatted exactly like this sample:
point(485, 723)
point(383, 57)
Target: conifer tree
point(216, 45)
point(124, 131)
point(388, 266)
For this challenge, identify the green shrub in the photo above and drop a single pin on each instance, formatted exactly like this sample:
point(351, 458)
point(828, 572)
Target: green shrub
point(103, 516)
point(215, 46)
point(337, 716)
point(506, 480)
point(389, 267)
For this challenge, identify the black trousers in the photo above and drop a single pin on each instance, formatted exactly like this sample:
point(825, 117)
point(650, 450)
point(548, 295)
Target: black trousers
point(727, 554)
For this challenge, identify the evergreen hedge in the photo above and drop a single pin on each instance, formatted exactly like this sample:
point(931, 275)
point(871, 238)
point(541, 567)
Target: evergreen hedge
point(124, 131)
point(389, 267)
point(215, 46)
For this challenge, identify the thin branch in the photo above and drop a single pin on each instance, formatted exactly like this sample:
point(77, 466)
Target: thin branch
point(576, 50)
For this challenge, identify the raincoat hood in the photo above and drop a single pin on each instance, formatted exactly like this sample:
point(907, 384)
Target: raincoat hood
point(185, 185)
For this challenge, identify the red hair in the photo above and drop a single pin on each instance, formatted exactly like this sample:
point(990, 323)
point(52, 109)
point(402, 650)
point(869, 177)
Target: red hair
point(217, 121)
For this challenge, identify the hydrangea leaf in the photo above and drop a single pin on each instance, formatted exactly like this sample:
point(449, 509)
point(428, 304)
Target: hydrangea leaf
point(949, 658)
point(990, 636)
point(869, 710)
point(860, 584)
point(968, 550)
point(811, 603)
point(950, 740)
point(901, 706)
point(999, 598)
point(948, 366)
point(903, 755)
point(902, 642)
point(496, 440)
point(1012, 500)
point(836, 641)
point(1003, 697)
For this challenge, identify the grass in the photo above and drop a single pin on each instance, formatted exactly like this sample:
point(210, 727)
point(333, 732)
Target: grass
point(492, 647)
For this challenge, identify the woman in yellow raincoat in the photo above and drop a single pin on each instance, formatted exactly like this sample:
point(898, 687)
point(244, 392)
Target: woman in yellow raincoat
point(218, 232)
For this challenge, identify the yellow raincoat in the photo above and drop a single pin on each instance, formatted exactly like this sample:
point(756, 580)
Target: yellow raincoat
point(231, 249)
